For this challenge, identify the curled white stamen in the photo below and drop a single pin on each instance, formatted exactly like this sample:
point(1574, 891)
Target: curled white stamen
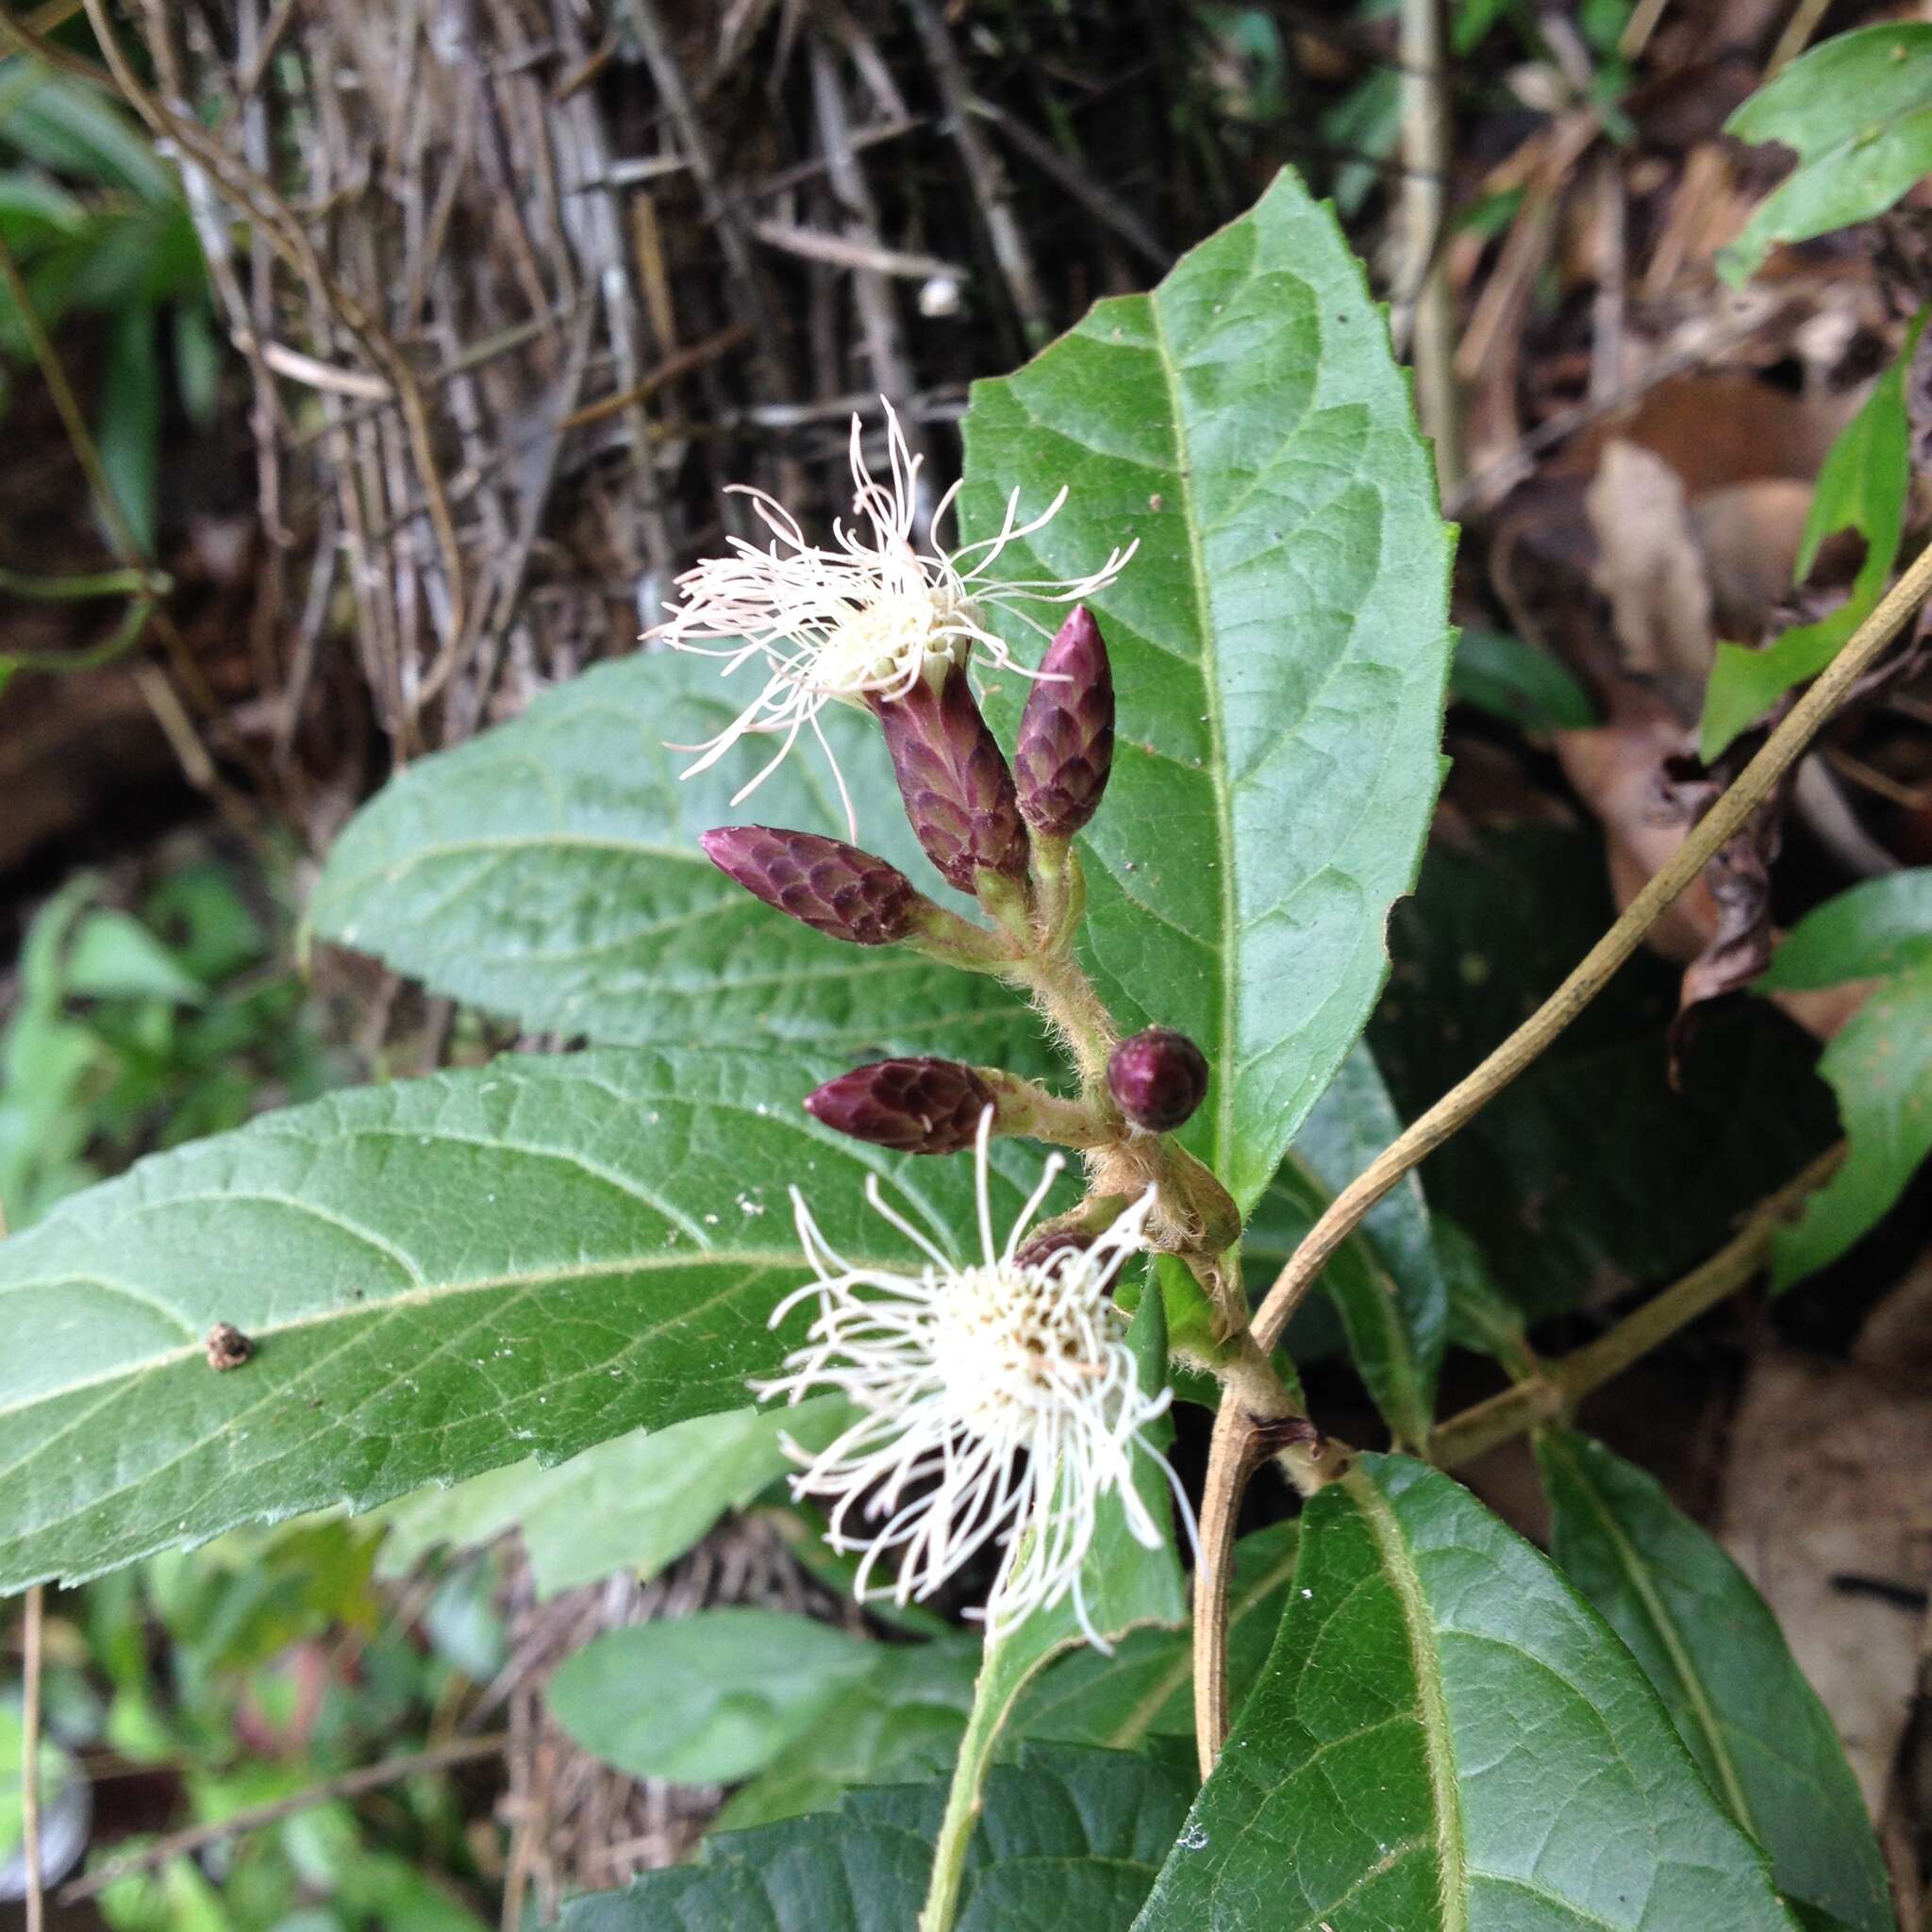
point(862, 618)
point(998, 1404)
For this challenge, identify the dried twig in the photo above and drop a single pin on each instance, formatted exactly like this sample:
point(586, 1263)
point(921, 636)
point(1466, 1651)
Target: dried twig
point(1422, 317)
point(30, 1754)
point(993, 197)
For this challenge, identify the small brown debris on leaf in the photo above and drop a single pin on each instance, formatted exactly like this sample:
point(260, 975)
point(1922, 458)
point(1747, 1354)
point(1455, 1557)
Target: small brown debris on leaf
point(227, 1347)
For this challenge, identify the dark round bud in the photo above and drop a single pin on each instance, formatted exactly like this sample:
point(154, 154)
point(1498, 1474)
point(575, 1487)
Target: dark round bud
point(1158, 1077)
point(831, 886)
point(1052, 1241)
point(914, 1106)
point(1065, 751)
point(954, 780)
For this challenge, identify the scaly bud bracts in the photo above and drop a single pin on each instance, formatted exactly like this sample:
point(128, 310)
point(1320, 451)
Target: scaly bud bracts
point(1158, 1077)
point(1065, 747)
point(914, 1106)
point(958, 791)
point(827, 885)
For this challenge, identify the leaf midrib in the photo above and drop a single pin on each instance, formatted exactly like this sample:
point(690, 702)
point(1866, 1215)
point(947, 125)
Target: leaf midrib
point(1667, 1634)
point(1217, 735)
point(1433, 1710)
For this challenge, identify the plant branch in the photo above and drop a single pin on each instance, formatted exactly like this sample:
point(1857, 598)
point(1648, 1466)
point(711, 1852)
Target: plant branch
point(1555, 1391)
point(30, 1755)
point(370, 1777)
point(1230, 1460)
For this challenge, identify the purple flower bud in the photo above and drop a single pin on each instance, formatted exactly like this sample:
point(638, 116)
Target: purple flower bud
point(1051, 1241)
point(914, 1106)
point(1158, 1077)
point(831, 886)
point(1065, 747)
point(958, 791)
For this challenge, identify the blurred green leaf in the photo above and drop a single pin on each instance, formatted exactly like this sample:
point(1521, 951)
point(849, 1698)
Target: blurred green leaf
point(1857, 110)
point(115, 956)
point(708, 1698)
point(899, 1723)
point(636, 1503)
point(465, 1625)
point(1502, 674)
point(1875, 928)
point(1879, 1064)
point(197, 361)
point(58, 1771)
point(129, 433)
point(32, 208)
point(1365, 124)
point(1861, 487)
point(65, 125)
point(1482, 1318)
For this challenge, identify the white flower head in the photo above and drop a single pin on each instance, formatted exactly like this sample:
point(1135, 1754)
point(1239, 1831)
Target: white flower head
point(866, 618)
point(998, 1403)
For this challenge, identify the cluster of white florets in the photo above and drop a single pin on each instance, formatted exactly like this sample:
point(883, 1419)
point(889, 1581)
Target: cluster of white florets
point(998, 1404)
point(863, 619)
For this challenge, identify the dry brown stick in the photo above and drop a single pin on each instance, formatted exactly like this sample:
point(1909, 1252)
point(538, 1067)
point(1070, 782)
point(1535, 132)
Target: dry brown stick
point(1421, 319)
point(350, 1784)
point(1233, 1429)
point(890, 367)
point(991, 191)
point(1107, 209)
point(725, 219)
point(1558, 1386)
point(265, 206)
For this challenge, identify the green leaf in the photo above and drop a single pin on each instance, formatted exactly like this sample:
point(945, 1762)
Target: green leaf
point(114, 957)
point(1146, 1687)
point(1862, 486)
point(1879, 1065)
point(32, 208)
point(1510, 679)
point(1858, 109)
point(1711, 1646)
point(901, 1722)
point(1482, 1318)
point(1447, 1736)
point(75, 129)
point(1385, 1280)
point(1572, 1178)
point(705, 1699)
point(635, 1504)
point(440, 1276)
point(1069, 1842)
point(1877, 926)
point(549, 869)
point(1279, 646)
point(129, 433)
